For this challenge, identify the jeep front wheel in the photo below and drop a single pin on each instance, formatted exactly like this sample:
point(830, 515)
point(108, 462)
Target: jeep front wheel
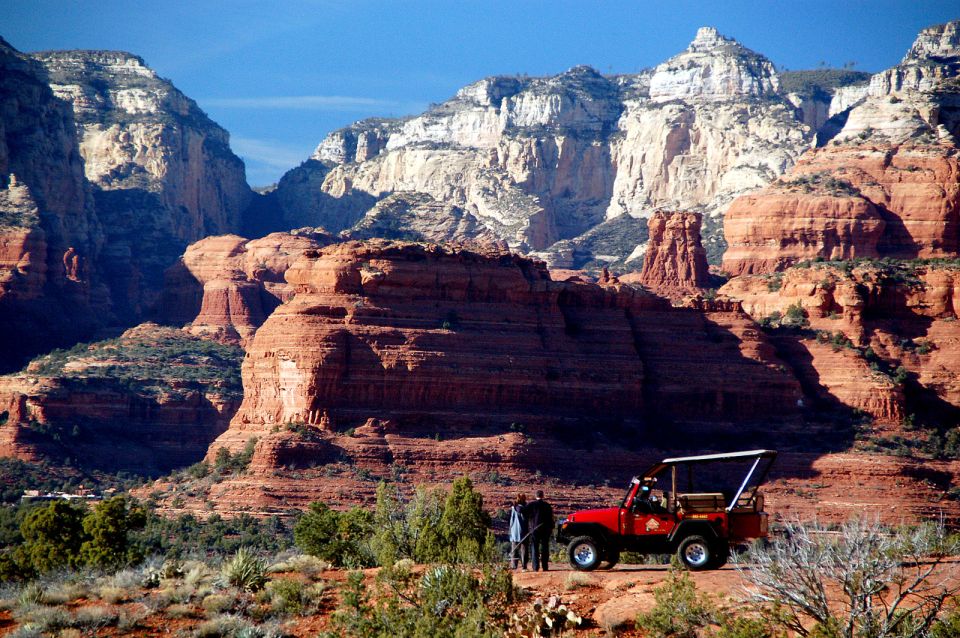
point(584, 553)
point(611, 558)
point(695, 553)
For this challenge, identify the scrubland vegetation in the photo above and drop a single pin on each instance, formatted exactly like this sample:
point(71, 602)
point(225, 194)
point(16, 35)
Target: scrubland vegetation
point(118, 567)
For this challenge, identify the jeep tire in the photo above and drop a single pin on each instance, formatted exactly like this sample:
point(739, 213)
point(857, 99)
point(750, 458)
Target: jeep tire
point(584, 553)
point(611, 558)
point(696, 553)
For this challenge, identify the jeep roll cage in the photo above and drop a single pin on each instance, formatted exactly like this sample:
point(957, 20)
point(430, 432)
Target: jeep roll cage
point(758, 456)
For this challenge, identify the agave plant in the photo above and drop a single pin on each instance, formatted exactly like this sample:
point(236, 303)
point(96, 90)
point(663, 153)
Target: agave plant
point(245, 571)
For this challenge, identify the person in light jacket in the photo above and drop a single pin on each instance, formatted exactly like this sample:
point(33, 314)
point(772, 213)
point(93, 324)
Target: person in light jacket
point(519, 533)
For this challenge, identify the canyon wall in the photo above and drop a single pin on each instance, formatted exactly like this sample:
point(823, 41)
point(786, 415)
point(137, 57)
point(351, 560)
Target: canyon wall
point(107, 173)
point(886, 185)
point(544, 164)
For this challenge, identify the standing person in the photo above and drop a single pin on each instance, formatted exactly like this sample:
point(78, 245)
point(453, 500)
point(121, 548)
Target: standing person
point(540, 519)
point(519, 533)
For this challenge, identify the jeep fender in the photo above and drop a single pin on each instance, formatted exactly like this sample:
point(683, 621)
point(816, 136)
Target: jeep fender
point(689, 528)
point(603, 536)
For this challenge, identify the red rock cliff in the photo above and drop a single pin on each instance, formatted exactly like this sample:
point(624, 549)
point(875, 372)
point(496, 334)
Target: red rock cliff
point(224, 287)
point(449, 340)
point(675, 261)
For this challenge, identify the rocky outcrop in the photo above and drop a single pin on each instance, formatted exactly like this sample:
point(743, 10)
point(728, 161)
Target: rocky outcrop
point(543, 163)
point(675, 262)
point(866, 322)
point(419, 217)
point(147, 402)
point(934, 56)
point(224, 287)
point(425, 340)
point(163, 172)
point(888, 184)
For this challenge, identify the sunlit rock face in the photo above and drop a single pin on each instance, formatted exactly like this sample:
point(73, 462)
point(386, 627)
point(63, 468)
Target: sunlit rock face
point(544, 163)
point(886, 184)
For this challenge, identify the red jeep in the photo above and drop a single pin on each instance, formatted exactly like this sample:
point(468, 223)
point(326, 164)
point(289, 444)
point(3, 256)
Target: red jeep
point(698, 525)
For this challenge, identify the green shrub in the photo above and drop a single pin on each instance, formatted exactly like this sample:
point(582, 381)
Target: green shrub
point(679, 610)
point(245, 571)
point(53, 536)
point(341, 538)
point(448, 600)
point(287, 596)
point(108, 529)
point(465, 526)
point(406, 530)
point(746, 627)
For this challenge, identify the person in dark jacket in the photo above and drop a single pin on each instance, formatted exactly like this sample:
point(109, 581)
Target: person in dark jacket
point(540, 519)
point(519, 534)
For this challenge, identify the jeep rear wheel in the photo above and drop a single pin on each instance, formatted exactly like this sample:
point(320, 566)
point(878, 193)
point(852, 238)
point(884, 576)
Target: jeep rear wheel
point(584, 553)
point(695, 553)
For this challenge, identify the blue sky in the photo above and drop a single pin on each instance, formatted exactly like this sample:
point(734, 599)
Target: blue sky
point(279, 75)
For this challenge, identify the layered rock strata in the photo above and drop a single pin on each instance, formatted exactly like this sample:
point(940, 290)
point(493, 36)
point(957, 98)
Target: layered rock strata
point(224, 287)
point(540, 163)
point(49, 232)
point(147, 402)
point(888, 184)
point(163, 173)
point(866, 322)
point(431, 340)
point(675, 262)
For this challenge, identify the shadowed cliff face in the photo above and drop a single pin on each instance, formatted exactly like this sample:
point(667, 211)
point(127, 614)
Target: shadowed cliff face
point(106, 174)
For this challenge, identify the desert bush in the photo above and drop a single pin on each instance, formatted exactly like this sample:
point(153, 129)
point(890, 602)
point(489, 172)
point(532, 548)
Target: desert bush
point(746, 627)
point(179, 610)
point(576, 580)
point(245, 571)
point(341, 538)
point(287, 596)
point(679, 610)
point(217, 603)
point(53, 536)
point(406, 530)
point(447, 600)
point(108, 528)
point(226, 626)
point(887, 579)
point(95, 617)
point(46, 619)
point(309, 566)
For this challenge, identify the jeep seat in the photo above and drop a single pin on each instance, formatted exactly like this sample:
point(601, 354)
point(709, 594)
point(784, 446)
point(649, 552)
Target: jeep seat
point(701, 502)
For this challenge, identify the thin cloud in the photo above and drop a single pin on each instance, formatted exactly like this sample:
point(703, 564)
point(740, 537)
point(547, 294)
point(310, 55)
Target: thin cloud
point(305, 102)
point(268, 153)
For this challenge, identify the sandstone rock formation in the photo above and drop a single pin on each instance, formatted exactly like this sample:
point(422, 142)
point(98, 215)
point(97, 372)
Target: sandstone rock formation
point(424, 340)
point(147, 402)
point(867, 321)
point(675, 262)
point(224, 287)
point(543, 163)
point(46, 211)
point(100, 192)
point(887, 184)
